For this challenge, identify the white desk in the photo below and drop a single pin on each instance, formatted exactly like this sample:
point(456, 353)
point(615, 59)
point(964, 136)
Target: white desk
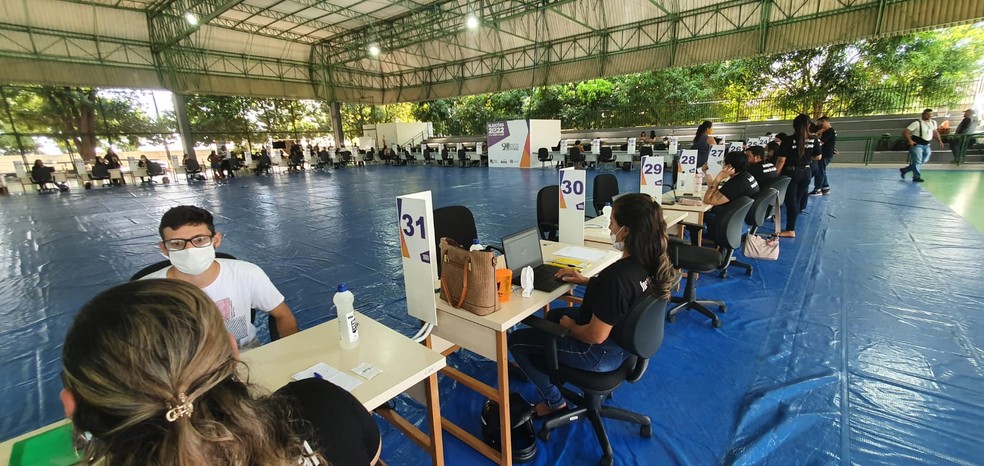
point(596, 233)
point(404, 362)
point(695, 213)
point(486, 336)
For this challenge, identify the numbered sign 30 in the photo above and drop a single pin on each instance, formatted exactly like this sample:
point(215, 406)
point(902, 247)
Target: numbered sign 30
point(571, 191)
point(571, 215)
point(651, 177)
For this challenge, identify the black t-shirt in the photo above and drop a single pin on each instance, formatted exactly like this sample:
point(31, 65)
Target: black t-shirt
point(742, 184)
point(790, 150)
point(332, 421)
point(703, 150)
point(612, 292)
point(828, 142)
point(765, 173)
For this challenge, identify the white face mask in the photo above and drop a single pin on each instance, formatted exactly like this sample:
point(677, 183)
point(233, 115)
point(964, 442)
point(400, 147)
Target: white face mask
point(193, 261)
point(618, 245)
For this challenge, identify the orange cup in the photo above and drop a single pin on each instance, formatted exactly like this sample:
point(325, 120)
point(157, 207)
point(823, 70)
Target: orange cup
point(503, 284)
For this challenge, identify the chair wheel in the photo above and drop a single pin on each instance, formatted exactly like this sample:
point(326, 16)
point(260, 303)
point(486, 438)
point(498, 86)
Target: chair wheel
point(646, 431)
point(722, 308)
point(670, 318)
point(544, 434)
point(716, 324)
point(724, 273)
point(748, 272)
point(606, 461)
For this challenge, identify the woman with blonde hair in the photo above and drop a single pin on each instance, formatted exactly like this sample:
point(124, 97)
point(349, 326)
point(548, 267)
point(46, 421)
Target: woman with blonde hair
point(152, 376)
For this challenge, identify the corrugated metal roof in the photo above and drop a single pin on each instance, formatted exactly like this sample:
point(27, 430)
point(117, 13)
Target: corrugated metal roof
point(307, 48)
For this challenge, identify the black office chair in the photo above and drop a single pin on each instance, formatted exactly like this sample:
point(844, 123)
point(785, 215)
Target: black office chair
point(696, 259)
point(153, 169)
point(645, 151)
point(428, 156)
point(42, 176)
point(574, 157)
point(100, 173)
point(192, 167)
point(757, 214)
point(409, 158)
point(324, 160)
point(462, 157)
point(446, 159)
point(548, 212)
point(271, 321)
point(346, 157)
point(606, 156)
point(458, 223)
point(605, 188)
point(640, 334)
point(543, 155)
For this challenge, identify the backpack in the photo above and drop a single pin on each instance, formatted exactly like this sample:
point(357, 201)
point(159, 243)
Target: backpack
point(523, 437)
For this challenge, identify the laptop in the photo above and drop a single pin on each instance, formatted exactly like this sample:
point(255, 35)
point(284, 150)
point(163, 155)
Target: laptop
point(523, 249)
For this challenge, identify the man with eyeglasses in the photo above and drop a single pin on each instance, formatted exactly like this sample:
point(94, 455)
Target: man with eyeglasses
point(189, 239)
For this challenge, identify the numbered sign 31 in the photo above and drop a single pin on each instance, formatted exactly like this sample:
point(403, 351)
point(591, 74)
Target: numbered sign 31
point(715, 160)
point(572, 197)
point(651, 177)
point(416, 225)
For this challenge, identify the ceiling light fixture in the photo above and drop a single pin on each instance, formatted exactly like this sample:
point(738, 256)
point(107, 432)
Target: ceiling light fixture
point(191, 18)
point(374, 50)
point(472, 22)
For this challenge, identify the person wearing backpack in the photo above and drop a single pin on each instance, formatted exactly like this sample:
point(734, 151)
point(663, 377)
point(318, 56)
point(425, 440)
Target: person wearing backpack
point(918, 135)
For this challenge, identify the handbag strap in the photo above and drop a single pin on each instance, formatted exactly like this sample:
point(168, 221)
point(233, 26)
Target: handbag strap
point(464, 282)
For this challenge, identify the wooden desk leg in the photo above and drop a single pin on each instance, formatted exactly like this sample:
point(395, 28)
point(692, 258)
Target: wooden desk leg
point(501, 354)
point(434, 418)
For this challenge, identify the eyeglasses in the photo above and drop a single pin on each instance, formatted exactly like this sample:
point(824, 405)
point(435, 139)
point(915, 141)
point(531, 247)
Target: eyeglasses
point(177, 244)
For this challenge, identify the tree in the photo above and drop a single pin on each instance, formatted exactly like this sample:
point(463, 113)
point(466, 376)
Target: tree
point(215, 119)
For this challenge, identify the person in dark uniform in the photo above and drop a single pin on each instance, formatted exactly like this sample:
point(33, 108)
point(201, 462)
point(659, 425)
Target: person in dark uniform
point(828, 147)
point(795, 155)
point(732, 182)
point(763, 171)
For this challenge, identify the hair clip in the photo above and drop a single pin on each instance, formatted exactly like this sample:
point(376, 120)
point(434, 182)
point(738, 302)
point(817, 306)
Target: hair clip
point(308, 457)
point(182, 409)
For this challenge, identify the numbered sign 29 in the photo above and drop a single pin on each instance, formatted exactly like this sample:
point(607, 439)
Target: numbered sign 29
point(651, 177)
point(416, 227)
point(572, 197)
point(715, 160)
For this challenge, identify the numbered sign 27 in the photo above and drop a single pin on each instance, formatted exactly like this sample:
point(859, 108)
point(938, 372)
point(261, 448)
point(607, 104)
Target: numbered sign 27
point(416, 226)
point(715, 160)
point(651, 177)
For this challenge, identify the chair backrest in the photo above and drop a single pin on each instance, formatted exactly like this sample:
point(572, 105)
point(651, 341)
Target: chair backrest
point(727, 233)
point(44, 174)
point(780, 184)
point(574, 154)
point(100, 171)
point(640, 332)
point(606, 155)
point(154, 169)
point(542, 154)
point(760, 207)
point(645, 150)
point(325, 157)
point(455, 222)
point(461, 154)
point(605, 187)
point(548, 211)
point(192, 165)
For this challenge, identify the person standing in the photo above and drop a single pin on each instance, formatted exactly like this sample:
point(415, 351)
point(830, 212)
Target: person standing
point(919, 134)
point(795, 155)
point(967, 125)
point(828, 146)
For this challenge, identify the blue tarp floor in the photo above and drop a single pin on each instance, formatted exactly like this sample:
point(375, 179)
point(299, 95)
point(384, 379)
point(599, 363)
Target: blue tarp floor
point(861, 344)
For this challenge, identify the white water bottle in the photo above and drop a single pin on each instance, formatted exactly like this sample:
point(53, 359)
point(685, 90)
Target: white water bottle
point(699, 182)
point(476, 246)
point(607, 210)
point(348, 328)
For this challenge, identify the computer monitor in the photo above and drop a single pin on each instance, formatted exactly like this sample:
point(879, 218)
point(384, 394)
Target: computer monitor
point(522, 248)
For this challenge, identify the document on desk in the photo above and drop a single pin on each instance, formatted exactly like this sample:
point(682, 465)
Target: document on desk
point(579, 253)
point(335, 376)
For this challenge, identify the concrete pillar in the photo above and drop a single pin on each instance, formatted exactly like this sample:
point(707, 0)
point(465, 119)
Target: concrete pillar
point(336, 124)
point(184, 126)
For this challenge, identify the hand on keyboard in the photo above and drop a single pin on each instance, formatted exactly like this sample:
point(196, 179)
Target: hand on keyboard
point(571, 275)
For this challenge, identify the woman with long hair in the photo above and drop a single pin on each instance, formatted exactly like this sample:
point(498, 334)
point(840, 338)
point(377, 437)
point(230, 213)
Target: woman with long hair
point(794, 158)
point(152, 375)
point(638, 230)
point(702, 144)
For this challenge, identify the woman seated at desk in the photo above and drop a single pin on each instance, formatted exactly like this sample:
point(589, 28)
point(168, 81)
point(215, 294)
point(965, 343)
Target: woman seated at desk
point(638, 229)
point(151, 373)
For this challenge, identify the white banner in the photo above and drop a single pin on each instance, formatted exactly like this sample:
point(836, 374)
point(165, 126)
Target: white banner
point(630, 147)
point(651, 177)
point(715, 161)
point(509, 143)
point(416, 225)
point(572, 199)
point(688, 167)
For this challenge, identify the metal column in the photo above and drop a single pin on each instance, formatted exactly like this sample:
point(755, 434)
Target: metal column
point(336, 124)
point(184, 126)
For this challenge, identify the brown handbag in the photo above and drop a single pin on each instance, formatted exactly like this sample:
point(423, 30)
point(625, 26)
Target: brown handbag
point(468, 278)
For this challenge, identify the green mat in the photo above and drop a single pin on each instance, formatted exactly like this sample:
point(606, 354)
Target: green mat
point(51, 448)
point(961, 190)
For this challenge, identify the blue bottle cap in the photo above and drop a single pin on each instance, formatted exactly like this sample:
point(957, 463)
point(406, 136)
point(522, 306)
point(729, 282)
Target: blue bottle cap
point(342, 287)
point(475, 241)
point(608, 204)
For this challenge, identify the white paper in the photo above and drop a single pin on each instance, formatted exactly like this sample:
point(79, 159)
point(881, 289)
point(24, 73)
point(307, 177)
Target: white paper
point(367, 370)
point(330, 374)
point(584, 254)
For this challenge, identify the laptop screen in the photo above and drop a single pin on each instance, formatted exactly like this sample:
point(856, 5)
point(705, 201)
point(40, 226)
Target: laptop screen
point(522, 248)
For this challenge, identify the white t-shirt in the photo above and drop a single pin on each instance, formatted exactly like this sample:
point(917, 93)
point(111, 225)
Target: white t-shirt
point(240, 287)
point(922, 129)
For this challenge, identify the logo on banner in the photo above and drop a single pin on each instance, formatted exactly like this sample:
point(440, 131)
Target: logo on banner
point(497, 129)
point(510, 146)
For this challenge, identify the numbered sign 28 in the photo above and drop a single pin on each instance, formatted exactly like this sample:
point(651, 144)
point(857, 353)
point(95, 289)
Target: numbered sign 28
point(416, 226)
point(688, 161)
point(715, 160)
point(651, 177)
